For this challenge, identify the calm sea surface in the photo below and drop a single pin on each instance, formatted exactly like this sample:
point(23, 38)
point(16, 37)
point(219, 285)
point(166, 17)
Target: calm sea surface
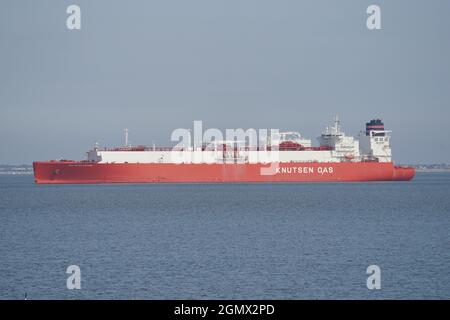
point(206, 241)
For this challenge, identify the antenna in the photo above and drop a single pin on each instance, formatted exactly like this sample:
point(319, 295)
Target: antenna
point(126, 137)
point(337, 124)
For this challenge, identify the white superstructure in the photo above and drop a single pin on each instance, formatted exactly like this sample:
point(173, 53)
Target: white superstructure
point(334, 146)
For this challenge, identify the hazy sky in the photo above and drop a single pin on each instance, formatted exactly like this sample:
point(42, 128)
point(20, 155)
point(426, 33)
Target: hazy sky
point(156, 65)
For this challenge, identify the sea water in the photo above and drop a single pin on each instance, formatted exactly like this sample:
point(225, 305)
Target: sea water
point(226, 241)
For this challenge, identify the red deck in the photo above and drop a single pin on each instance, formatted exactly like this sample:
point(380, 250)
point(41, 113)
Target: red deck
point(71, 172)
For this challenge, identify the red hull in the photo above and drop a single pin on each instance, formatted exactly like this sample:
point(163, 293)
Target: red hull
point(68, 172)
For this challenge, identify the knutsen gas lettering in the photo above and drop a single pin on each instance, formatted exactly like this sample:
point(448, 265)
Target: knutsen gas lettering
point(304, 170)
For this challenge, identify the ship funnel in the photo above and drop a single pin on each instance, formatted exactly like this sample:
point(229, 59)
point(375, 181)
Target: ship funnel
point(376, 126)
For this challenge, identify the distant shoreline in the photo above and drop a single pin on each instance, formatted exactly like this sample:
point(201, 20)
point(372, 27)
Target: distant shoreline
point(433, 170)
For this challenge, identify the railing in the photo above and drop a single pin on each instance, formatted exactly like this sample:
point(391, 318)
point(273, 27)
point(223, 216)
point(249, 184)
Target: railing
point(230, 149)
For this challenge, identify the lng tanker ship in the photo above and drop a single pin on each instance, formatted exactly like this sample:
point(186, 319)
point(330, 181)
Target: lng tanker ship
point(288, 158)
